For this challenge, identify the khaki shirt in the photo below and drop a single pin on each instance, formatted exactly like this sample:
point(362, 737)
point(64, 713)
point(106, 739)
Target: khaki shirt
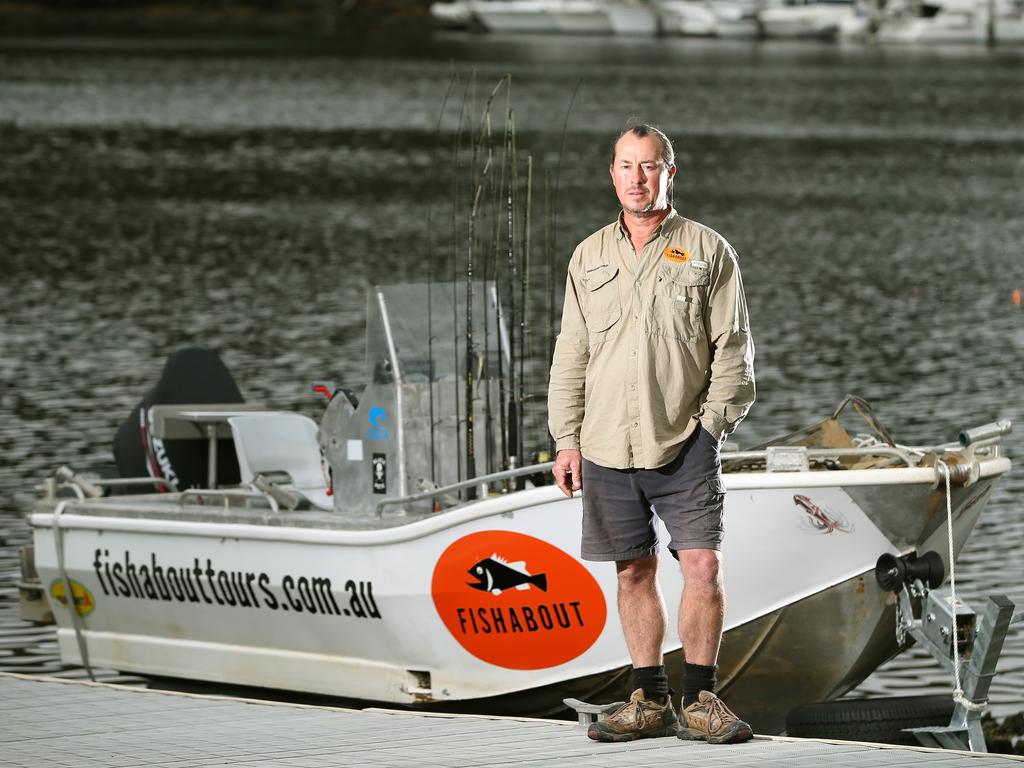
point(650, 344)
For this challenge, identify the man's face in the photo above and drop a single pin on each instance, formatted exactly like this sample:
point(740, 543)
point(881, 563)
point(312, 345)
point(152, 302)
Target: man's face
point(640, 176)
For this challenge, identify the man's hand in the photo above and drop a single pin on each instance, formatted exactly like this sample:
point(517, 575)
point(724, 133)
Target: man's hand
point(568, 470)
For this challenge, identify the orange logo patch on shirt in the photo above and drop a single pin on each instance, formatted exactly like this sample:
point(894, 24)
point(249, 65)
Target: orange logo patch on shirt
point(677, 255)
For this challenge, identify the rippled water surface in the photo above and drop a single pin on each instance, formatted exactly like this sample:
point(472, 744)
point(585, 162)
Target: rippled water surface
point(155, 194)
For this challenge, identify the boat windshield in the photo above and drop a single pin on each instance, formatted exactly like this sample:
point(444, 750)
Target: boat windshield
point(417, 332)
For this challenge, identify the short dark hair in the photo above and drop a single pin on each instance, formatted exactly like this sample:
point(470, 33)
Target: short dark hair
point(642, 130)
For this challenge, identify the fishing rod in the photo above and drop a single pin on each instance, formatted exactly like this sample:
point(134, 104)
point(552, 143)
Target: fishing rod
point(470, 360)
point(430, 279)
point(480, 177)
point(483, 362)
point(456, 154)
point(513, 409)
point(498, 305)
point(524, 338)
point(549, 277)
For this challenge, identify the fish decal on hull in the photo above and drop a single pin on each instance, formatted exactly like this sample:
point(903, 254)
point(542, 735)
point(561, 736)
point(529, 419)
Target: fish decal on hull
point(495, 575)
point(819, 520)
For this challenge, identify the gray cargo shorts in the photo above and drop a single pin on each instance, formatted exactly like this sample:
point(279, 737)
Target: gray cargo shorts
point(687, 494)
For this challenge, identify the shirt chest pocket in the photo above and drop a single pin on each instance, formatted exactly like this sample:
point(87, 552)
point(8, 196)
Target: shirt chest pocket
point(601, 306)
point(679, 297)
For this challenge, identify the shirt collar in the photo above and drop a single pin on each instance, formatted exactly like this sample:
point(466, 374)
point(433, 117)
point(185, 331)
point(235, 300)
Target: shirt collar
point(662, 230)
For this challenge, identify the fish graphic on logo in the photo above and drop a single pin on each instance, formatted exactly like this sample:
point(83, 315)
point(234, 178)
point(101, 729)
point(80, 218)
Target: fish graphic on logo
point(495, 575)
point(819, 520)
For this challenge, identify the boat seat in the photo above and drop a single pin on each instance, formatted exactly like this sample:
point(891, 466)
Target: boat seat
point(268, 443)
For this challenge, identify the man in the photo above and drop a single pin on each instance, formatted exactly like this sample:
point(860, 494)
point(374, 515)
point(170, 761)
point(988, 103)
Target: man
point(653, 367)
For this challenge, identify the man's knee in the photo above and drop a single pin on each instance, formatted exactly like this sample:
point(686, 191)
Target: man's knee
point(702, 567)
point(640, 573)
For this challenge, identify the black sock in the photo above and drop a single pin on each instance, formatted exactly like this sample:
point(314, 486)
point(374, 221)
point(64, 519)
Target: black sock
point(653, 680)
point(697, 678)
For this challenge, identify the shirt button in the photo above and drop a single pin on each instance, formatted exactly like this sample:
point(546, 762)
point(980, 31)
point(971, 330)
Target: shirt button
point(632, 386)
point(632, 352)
point(636, 423)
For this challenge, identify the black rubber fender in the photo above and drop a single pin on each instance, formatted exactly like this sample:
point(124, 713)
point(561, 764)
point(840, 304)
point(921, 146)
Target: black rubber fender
point(878, 720)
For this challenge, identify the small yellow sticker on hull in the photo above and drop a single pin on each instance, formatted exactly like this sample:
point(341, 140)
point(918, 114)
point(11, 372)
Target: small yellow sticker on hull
point(84, 602)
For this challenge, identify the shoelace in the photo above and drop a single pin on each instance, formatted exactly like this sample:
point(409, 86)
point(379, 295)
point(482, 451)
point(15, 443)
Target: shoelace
point(717, 708)
point(639, 718)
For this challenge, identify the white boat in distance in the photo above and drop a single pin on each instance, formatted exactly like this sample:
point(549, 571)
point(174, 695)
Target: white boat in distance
point(562, 16)
point(452, 14)
point(688, 17)
point(514, 15)
point(583, 17)
point(370, 582)
point(954, 22)
point(633, 17)
point(822, 19)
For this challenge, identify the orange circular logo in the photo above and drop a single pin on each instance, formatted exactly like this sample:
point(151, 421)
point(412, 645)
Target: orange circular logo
point(516, 601)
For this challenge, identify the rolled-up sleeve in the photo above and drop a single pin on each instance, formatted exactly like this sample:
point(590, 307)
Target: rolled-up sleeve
point(567, 385)
point(730, 392)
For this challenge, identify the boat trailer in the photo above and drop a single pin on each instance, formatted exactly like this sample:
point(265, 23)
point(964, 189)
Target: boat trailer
point(964, 645)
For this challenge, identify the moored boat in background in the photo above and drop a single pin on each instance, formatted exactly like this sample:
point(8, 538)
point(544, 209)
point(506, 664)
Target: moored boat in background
point(633, 17)
point(821, 19)
point(952, 22)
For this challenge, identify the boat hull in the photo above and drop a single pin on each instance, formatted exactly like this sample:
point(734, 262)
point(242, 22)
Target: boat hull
point(487, 607)
point(632, 19)
point(514, 16)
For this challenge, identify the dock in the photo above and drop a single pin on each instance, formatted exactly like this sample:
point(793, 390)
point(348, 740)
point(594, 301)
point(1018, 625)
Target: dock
point(49, 722)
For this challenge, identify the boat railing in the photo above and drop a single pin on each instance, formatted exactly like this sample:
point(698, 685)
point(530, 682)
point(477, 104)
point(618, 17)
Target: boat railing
point(92, 487)
point(789, 458)
point(481, 480)
point(776, 458)
point(984, 439)
point(200, 495)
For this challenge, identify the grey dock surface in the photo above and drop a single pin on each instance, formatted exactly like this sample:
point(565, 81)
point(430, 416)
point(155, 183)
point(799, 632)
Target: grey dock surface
point(46, 722)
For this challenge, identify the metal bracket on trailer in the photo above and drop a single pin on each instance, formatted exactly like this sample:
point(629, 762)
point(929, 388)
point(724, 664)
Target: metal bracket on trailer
point(591, 713)
point(979, 643)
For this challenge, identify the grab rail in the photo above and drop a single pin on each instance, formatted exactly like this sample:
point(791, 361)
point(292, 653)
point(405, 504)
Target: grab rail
point(479, 480)
point(227, 494)
point(905, 455)
point(92, 487)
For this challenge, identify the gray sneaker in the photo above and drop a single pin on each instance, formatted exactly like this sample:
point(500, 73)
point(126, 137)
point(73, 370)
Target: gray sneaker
point(708, 719)
point(638, 718)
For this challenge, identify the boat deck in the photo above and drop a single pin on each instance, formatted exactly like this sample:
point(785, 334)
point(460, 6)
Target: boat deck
point(46, 722)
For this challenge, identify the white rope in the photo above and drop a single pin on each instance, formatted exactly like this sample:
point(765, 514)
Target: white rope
point(69, 595)
point(958, 691)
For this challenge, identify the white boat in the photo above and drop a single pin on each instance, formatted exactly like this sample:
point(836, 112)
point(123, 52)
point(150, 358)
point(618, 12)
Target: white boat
point(370, 582)
point(632, 17)
point(581, 17)
point(1008, 22)
point(452, 14)
point(956, 22)
point(736, 18)
point(823, 19)
point(720, 18)
point(562, 16)
point(514, 15)
point(688, 17)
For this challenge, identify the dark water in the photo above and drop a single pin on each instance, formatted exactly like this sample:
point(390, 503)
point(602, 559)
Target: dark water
point(155, 194)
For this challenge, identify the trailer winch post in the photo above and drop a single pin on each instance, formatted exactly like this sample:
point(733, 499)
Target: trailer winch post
point(943, 623)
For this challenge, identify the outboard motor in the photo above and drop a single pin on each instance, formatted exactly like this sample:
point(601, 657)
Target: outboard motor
point(191, 376)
